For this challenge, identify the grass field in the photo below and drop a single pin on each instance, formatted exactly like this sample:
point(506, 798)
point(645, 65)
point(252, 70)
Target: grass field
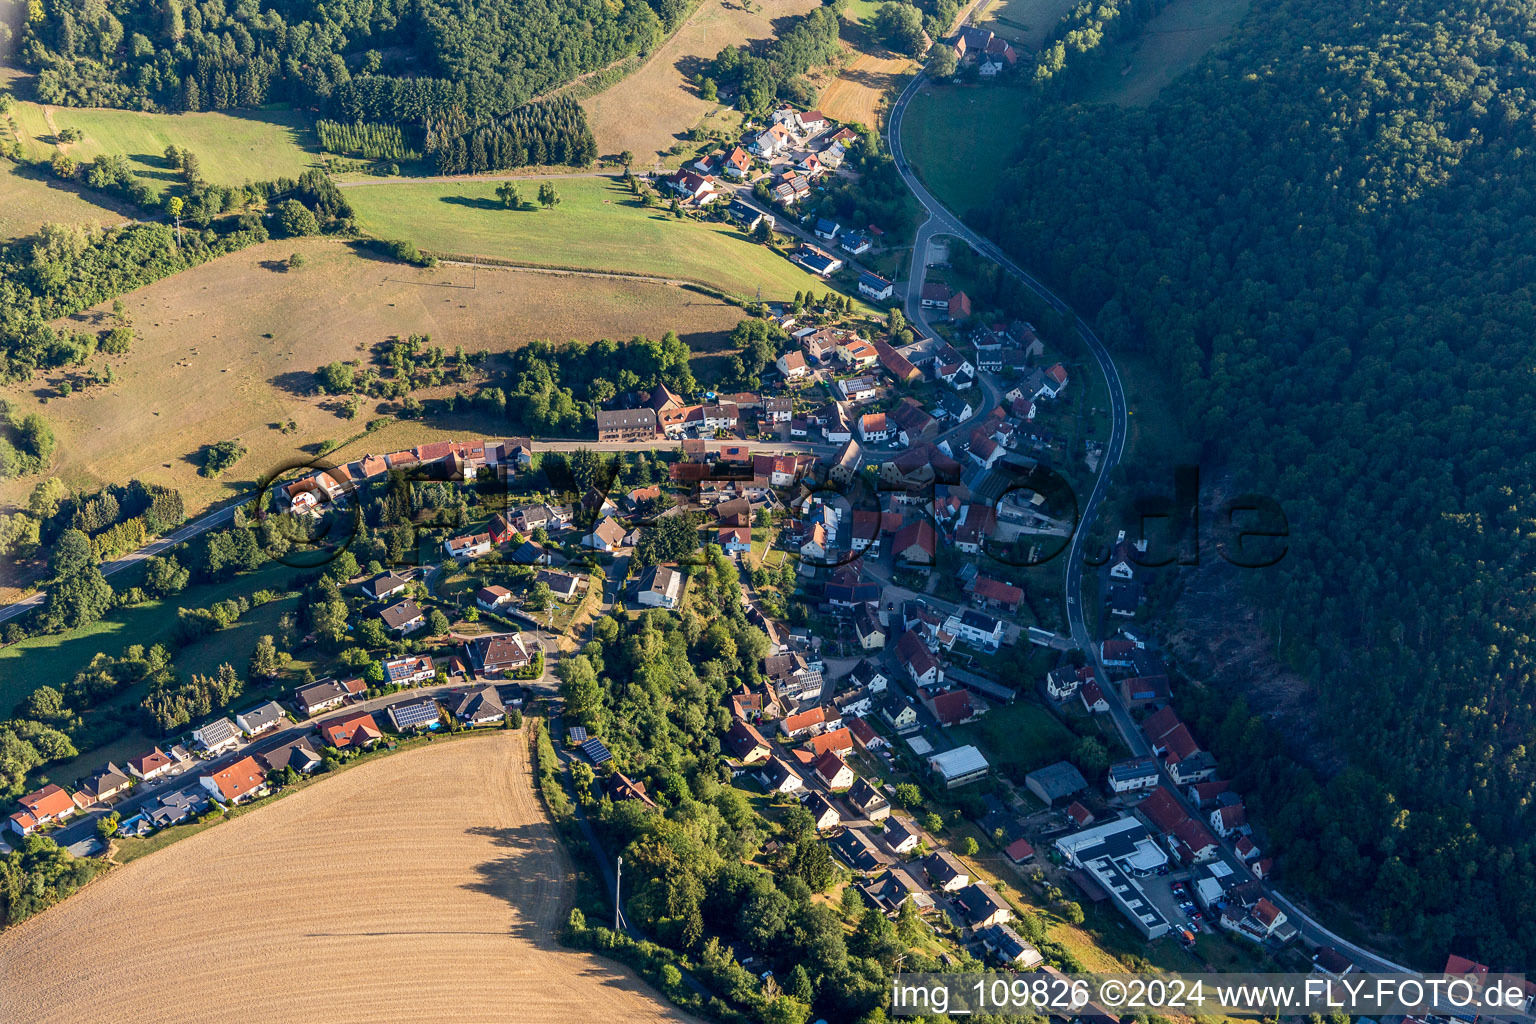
point(860, 94)
point(1021, 734)
point(653, 109)
point(417, 886)
point(53, 660)
point(1024, 23)
point(28, 201)
point(227, 350)
point(598, 225)
point(1136, 70)
point(253, 146)
point(961, 165)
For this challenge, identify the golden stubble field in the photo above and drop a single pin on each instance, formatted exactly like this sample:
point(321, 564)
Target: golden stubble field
point(859, 95)
point(650, 110)
point(427, 886)
point(205, 370)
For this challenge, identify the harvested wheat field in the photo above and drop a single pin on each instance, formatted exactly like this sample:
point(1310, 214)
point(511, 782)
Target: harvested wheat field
point(228, 350)
point(426, 886)
point(862, 92)
point(650, 111)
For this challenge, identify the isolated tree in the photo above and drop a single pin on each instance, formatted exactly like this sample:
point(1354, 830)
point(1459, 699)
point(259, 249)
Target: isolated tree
point(509, 195)
point(548, 197)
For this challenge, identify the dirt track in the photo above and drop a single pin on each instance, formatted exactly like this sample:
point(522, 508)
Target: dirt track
point(426, 886)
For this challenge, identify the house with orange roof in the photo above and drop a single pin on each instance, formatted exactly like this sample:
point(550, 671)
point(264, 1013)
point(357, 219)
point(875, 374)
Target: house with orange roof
point(244, 780)
point(351, 732)
point(46, 806)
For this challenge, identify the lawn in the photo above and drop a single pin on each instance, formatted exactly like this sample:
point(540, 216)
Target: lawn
point(53, 660)
point(233, 645)
point(1136, 70)
point(963, 166)
point(598, 225)
point(1022, 736)
point(231, 149)
point(28, 201)
point(228, 349)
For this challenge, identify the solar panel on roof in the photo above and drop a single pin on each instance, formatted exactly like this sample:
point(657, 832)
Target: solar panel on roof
point(409, 716)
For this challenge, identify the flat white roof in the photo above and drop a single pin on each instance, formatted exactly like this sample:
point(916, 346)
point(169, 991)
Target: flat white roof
point(919, 745)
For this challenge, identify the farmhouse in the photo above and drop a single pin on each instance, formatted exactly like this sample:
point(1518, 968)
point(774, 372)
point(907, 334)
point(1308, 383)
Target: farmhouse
point(244, 780)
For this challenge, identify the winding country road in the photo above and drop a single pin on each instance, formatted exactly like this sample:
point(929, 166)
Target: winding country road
point(942, 221)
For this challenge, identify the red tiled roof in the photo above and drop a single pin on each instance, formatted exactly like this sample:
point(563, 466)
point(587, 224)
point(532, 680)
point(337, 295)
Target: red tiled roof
point(1020, 849)
point(242, 777)
point(1162, 810)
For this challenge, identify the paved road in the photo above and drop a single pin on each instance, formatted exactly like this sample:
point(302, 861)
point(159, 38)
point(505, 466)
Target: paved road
point(942, 221)
point(187, 532)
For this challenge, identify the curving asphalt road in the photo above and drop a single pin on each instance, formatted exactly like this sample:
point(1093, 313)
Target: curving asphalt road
point(942, 221)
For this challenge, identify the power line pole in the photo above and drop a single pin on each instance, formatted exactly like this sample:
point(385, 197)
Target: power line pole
point(618, 878)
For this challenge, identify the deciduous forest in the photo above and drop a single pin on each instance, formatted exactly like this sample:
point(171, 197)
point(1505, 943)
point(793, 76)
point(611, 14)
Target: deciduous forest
point(1323, 235)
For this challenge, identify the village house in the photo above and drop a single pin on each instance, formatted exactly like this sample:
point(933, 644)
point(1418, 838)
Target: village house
point(792, 365)
point(778, 777)
point(945, 871)
point(244, 780)
point(383, 587)
point(607, 536)
point(627, 425)
point(480, 706)
point(260, 719)
point(832, 770)
point(103, 785)
point(493, 598)
point(955, 707)
point(217, 736)
point(660, 586)
point(746, 743)
point(497, 654)
point(403, 617)
point(324, 694)
point(823, 813)
point(900, 713)
point(982, 907)
point(868, 801)
point(356, 731)
point(409, 670)
point(914, 657)
point(468, 546)
point(410, 716)
point(45, 806)
point(151, 765)
point(873, 286)
point(976, 628)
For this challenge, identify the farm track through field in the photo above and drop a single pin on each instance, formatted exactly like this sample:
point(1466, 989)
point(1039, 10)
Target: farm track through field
point(426, 886)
